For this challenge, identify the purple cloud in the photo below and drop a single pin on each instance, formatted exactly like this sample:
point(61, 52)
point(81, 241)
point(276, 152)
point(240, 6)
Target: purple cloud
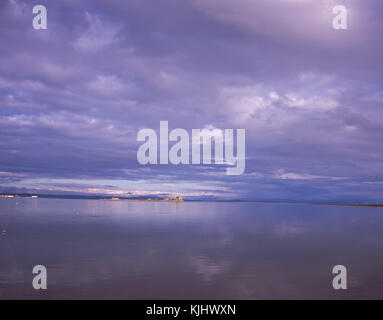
point(74, 96)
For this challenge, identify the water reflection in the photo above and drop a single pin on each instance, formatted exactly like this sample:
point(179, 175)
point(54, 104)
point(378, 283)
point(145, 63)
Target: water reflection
point(134, 250)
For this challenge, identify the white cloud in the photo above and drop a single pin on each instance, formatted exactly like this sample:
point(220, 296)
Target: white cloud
point(305, 20)
point(281, 174)
point(99, 34)
point(166, 79)
point(276, 107)
point(106, 84)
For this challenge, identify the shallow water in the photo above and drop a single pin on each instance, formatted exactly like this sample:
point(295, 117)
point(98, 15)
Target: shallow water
point(191, 250)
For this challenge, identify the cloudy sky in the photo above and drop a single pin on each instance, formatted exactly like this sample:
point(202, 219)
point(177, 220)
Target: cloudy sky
point(73, 97)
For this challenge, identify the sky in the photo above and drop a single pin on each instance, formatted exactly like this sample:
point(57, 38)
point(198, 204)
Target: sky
point(74, 96)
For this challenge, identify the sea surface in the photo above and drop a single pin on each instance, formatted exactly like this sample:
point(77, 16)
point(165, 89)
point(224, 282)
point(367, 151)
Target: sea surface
point(95, 249)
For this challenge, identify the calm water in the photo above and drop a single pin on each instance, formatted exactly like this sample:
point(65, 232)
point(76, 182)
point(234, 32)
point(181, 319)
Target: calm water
point(201, 250)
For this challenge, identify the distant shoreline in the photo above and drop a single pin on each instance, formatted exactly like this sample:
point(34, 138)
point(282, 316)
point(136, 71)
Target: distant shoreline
point(180, 199)
point(350, 204)
point(150, 200)
point(30, 196)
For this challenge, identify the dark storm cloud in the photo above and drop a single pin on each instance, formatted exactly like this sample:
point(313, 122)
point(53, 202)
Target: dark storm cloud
point(73, 97)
